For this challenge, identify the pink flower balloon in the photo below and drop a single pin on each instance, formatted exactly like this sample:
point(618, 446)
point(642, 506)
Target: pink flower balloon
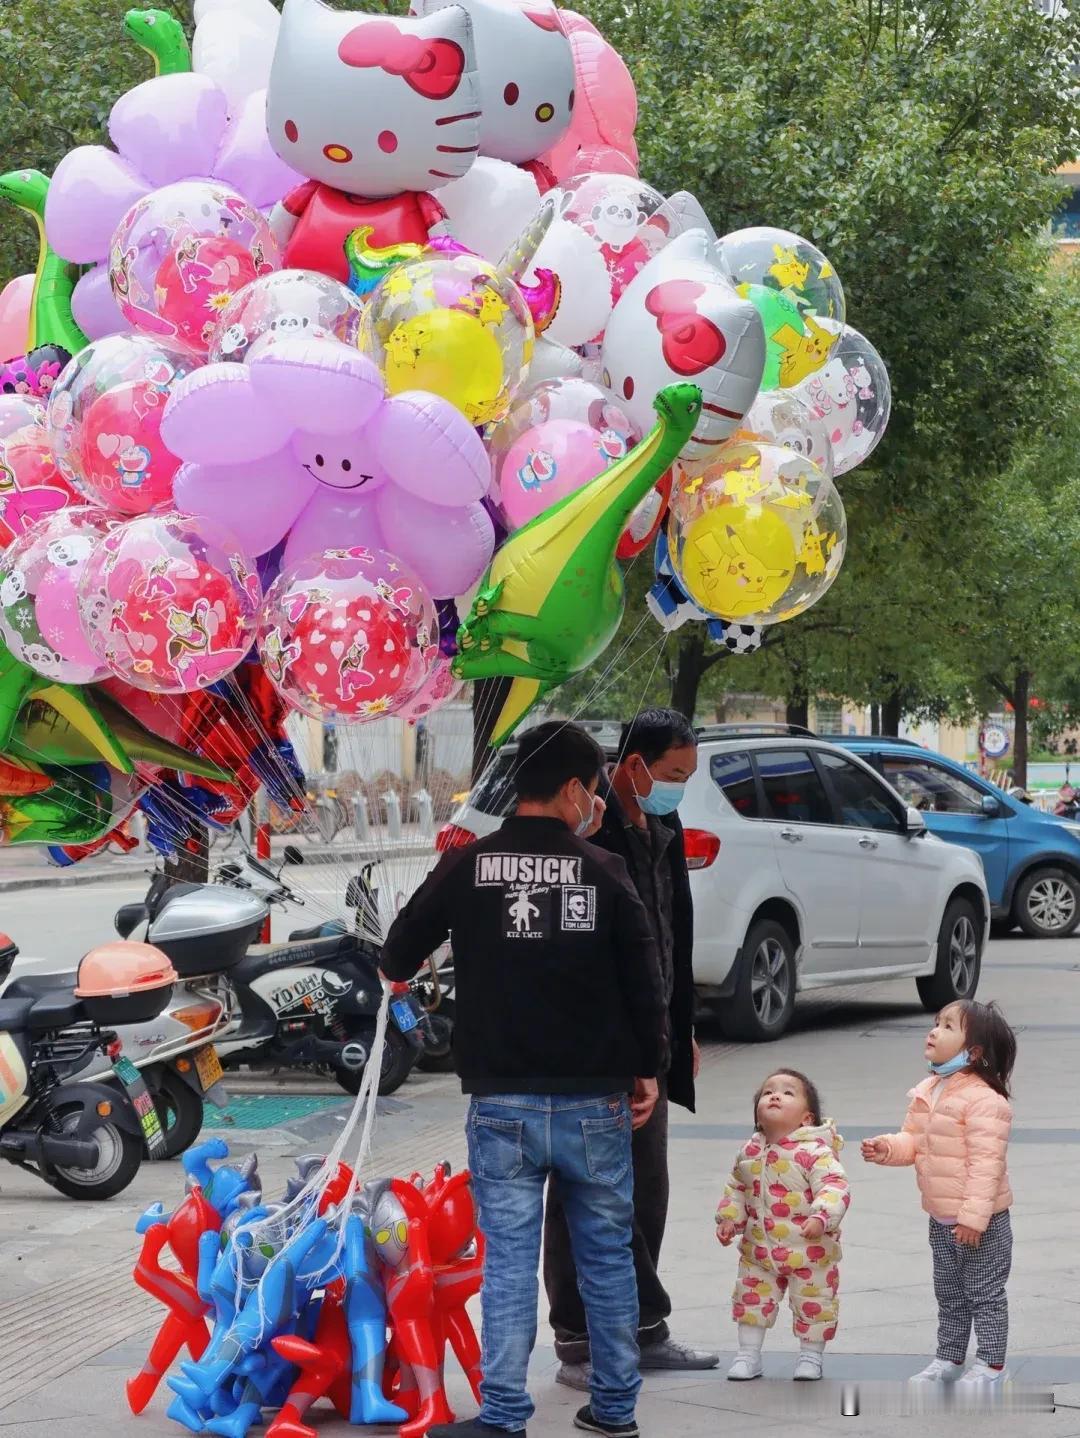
point(168, 604)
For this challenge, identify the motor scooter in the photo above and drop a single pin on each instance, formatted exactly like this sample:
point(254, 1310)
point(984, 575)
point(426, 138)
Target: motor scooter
point(83, 1137)
point(311, 1002)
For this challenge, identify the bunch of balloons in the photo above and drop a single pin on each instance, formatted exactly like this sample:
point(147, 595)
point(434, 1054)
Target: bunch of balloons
point(363, 316)
point(338, 1290)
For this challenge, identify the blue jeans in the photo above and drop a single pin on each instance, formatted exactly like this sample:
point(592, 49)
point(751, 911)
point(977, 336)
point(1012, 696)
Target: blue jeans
point(515, 1141)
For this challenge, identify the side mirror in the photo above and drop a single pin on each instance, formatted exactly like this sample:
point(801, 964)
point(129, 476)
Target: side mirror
point(915, 824)
point(990, 806)
point(292, 855)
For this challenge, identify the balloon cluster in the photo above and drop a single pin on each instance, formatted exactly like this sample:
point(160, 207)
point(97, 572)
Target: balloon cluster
point(338, 1290)
point(367, 297)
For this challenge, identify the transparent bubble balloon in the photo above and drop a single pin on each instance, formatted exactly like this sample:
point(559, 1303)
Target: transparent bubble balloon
point(349, 635)
point(104, 421)
point(782, 417)
point(629, 221)
point(797, 293)
point(168, 603)
point(286, 303)
point(557, 437)
point(180, 255)
point(39, 579)
point(32, 484)
point(758, 535)
point(453, 325)
point(851, 397)
point(17, 411)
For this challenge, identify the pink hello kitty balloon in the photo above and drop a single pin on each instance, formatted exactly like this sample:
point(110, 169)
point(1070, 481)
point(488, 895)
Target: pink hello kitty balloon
point(526, 70)
point(376, 112)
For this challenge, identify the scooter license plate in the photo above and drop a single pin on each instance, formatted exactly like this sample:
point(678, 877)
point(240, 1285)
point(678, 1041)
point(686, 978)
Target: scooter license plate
point(404, 1014)
point(134, 1086)
point(208, 1067)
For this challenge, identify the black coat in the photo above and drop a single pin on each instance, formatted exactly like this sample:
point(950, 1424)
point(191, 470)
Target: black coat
point(612, 836)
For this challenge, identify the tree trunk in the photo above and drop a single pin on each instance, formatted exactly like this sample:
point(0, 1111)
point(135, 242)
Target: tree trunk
point(1021, 696)
point(690, 668)
point(892, 711)
point(875, 718)
point(187, 867)
point(797, 709)
point(488, 697)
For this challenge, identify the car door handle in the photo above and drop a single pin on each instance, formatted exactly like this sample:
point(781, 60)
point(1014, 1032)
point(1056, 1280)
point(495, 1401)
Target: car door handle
point(791, 836)
point(865, 843)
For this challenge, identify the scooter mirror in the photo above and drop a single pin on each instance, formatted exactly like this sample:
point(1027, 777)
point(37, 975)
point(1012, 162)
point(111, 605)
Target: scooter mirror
point(292, 855)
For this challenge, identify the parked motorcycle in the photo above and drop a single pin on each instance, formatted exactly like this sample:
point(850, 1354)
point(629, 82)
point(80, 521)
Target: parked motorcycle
point(174, 1051)
point(311, 1002)
point(83, 1137)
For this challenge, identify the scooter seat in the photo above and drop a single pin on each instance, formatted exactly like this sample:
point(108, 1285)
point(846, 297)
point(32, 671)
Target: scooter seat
point(15, 1014)
point(56, 1010)
point(333, 929)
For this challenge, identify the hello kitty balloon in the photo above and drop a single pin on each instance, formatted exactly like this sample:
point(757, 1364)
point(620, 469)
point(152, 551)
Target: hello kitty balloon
point(376, 112)
point(526, 71)
point(680, 319)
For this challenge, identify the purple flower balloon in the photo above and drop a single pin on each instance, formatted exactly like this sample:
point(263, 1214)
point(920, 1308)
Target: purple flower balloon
point(301, 440)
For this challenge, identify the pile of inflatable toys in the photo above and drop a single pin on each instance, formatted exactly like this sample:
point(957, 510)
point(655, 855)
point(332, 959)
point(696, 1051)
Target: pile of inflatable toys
point(344, 1292)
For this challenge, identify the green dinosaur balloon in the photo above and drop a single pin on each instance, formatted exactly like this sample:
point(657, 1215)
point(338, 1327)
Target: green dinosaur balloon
point(162, 37)
point(51, 320)
point(553, 596)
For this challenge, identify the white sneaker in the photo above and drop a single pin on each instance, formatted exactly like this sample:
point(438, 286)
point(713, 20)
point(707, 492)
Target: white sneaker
point(746, 1366)
point(807, 1367)
point(982, 1373)
point(939, 1370)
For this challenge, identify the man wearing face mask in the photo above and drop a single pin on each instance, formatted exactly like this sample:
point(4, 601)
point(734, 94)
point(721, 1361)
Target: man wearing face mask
point(657, 757)
point(561, 1025)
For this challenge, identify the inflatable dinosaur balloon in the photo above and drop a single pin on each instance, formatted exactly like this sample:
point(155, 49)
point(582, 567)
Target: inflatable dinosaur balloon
point(553, 597)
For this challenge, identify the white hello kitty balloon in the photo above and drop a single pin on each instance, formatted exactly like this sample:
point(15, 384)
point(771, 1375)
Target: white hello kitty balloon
point(376, 112)
point(526, 70)
point(680, 319)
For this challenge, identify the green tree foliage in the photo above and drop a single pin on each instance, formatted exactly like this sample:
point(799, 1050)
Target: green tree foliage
point(916, 143)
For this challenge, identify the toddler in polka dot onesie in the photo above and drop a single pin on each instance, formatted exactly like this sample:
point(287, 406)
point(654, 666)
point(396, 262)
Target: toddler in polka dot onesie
point(786, 1197)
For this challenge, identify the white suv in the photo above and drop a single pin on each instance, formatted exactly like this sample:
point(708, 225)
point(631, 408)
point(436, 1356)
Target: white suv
point(807, 870)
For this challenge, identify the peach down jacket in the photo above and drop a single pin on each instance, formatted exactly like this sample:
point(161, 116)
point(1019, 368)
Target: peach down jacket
point(958, 1147)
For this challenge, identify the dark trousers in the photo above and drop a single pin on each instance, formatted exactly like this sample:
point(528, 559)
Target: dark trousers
point(567, 1315)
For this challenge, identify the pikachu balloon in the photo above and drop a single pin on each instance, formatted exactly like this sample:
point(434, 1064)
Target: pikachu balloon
point(757, 535)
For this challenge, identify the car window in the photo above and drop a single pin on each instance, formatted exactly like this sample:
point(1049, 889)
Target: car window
point(863, 802)
point(929, 787)
point(793, 787)
point(735, 777)
point(494, 792)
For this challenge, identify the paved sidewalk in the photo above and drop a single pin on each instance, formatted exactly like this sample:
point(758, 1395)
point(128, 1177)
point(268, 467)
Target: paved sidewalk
point(72, 1327)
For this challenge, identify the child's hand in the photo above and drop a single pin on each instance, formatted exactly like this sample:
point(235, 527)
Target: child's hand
point(968, 1236)
point(725, 1231)
point(875, 1150)
point(813, 1228)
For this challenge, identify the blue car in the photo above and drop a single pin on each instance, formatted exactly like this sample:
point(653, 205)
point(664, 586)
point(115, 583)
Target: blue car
point(1031, 859)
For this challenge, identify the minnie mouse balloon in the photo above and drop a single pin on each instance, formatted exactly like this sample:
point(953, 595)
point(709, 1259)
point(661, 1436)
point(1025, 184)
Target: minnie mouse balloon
point(348, 635)
point(104, 421)
point(179, 256)
point(168, 604)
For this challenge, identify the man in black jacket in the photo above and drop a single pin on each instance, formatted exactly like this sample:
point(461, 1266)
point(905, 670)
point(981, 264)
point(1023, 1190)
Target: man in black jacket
point(657, 756)
point(560, 1015)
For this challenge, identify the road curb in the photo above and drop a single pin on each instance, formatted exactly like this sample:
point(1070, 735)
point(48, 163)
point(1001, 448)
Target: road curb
point(72, 878)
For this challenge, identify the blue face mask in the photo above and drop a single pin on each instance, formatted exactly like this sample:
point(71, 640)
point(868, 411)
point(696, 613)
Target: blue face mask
point(664, 797)
point(952, 1066)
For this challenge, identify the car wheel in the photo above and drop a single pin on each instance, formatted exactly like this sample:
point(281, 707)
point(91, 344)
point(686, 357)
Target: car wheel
point(1047, 903)
point(959, 958)
point(760, 1008)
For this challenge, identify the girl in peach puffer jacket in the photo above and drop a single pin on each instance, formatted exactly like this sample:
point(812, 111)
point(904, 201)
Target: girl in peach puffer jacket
point(956, 1133)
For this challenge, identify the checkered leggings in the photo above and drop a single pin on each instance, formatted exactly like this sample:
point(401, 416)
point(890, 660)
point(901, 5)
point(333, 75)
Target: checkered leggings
point(969, 1284)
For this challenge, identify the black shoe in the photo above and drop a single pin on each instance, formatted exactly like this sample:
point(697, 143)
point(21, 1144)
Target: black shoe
point(584, 1419)
point(473, 1428)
